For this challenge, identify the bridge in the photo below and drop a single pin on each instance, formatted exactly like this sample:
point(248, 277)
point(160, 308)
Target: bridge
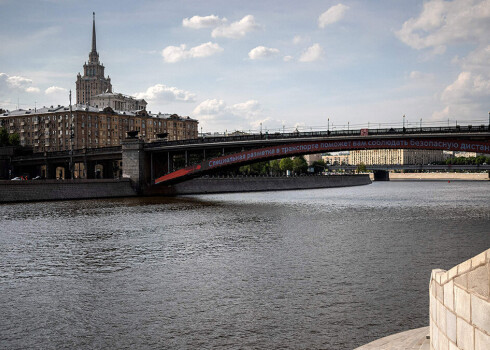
point(165, 162)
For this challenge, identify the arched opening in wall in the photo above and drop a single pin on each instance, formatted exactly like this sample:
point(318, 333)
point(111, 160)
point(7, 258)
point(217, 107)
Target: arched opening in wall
point(79, 171)
point(44, 173)
point(60, 173)
point(99, 171)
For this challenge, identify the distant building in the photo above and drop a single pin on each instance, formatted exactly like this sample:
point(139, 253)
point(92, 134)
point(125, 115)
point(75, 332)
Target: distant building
point(310, 158)
point(336, 159)
point(93, 81)
point(118, 102)
point(50, 129)
point(395, 156)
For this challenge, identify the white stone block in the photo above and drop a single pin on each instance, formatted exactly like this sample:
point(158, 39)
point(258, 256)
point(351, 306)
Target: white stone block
point(452, 346)
point(439, 292)
point(453, 272)
point(451, 326)
point(480, 313)
point(465, 336)
point(482, 341)
point(435, 338)
point(478, 260)
point(464, 266)
point(449, 295)
point(441, 317)
point(478, 281)
point(443, 342)
point(433, 308)
point(462, 303)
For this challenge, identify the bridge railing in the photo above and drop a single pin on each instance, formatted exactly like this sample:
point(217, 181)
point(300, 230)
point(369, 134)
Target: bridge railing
point(329, 133)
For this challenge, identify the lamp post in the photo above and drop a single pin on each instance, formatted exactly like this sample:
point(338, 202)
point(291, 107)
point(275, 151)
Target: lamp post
point(404, 121)
point(71, 140)
point(328, 122)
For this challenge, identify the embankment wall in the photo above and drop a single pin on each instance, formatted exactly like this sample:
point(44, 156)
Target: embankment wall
point(259, 183)
point(460, 305)
point(43, 190)
point(440, 176)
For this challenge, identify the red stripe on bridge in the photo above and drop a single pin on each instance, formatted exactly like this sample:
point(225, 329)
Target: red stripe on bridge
point(310, 147)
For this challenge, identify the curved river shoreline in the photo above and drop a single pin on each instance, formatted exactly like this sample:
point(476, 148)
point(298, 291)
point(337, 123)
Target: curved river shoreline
point(327, 268)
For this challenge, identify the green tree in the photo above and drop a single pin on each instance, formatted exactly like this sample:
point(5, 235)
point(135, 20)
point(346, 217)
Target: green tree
point(286, 164)
point(14, 139)
point(361, 168)
point(319, 165)
point(4, 137)
point(300, 166)
point(275, 166)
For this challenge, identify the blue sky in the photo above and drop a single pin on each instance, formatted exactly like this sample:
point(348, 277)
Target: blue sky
point(236, 64)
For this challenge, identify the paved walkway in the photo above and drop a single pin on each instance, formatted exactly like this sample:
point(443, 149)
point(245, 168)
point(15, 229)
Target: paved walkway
point(414, 339)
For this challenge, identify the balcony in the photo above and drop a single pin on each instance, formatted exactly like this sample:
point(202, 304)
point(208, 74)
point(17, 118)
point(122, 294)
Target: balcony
point(22, 123)
point(22, 130)
point(46, 121)
point(36, 129)
point(36, 122)
point(36, 137)
point(12, 124)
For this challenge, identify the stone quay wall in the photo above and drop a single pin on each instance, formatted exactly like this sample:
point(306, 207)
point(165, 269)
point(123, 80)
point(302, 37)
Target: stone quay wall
point(259, 183)
point(44, 190)
point(460, 305)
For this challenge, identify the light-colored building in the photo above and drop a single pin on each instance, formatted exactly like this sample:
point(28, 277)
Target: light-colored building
point(336, 159)
point(118, 102)
point(395, 156)
point(310, 158)
point(50, 129)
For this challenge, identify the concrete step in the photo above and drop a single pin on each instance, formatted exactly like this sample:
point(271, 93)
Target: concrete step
point(414, 339)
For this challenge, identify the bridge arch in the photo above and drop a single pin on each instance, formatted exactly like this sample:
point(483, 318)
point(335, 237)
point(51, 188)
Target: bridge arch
point(318, 146)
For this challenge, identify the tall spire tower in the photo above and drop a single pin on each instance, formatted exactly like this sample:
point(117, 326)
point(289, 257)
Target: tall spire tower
point(93, 81)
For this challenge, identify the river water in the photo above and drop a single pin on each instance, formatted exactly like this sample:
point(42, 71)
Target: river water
point(313, 269)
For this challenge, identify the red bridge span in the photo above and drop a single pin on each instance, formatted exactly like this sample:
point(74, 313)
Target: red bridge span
point(269, 149)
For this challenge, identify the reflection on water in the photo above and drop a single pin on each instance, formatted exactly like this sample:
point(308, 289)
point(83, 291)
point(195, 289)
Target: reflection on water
point(330, 268)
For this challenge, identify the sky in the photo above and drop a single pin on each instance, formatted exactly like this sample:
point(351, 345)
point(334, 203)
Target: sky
point(270, 64)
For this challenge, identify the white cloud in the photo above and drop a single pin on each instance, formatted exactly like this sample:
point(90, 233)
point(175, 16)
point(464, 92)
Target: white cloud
point(165, 94)
point(52, 90)
point(313, 53)
point(198, 22)
point(445, 22)
point(215, 115)
point(467, 87)
point(287, 58)
point(237, 29)
point(32, 89)
point(172, 54)
point(332, 15)
point(262, 52)
point(16, 83)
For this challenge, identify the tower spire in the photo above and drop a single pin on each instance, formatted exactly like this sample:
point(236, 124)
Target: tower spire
point(94, 46)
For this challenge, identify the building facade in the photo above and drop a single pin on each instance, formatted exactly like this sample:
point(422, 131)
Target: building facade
point(395, 156)
point(93, 81)
point(51, 129)
point(118, 102)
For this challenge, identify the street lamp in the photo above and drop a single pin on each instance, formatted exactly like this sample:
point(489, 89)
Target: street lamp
point(71, 140)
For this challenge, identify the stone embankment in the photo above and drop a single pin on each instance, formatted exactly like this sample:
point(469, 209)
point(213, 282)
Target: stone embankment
point(258, 183)
point(459, 311)
point(45, 190)
point(440, 176)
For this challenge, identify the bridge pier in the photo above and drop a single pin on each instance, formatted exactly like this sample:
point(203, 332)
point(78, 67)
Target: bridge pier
point(381, 175)
point(135, 163)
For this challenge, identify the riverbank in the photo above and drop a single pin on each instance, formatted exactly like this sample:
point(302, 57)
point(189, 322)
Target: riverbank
point(440, 176)
point(258, 183)
point(47, 190)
